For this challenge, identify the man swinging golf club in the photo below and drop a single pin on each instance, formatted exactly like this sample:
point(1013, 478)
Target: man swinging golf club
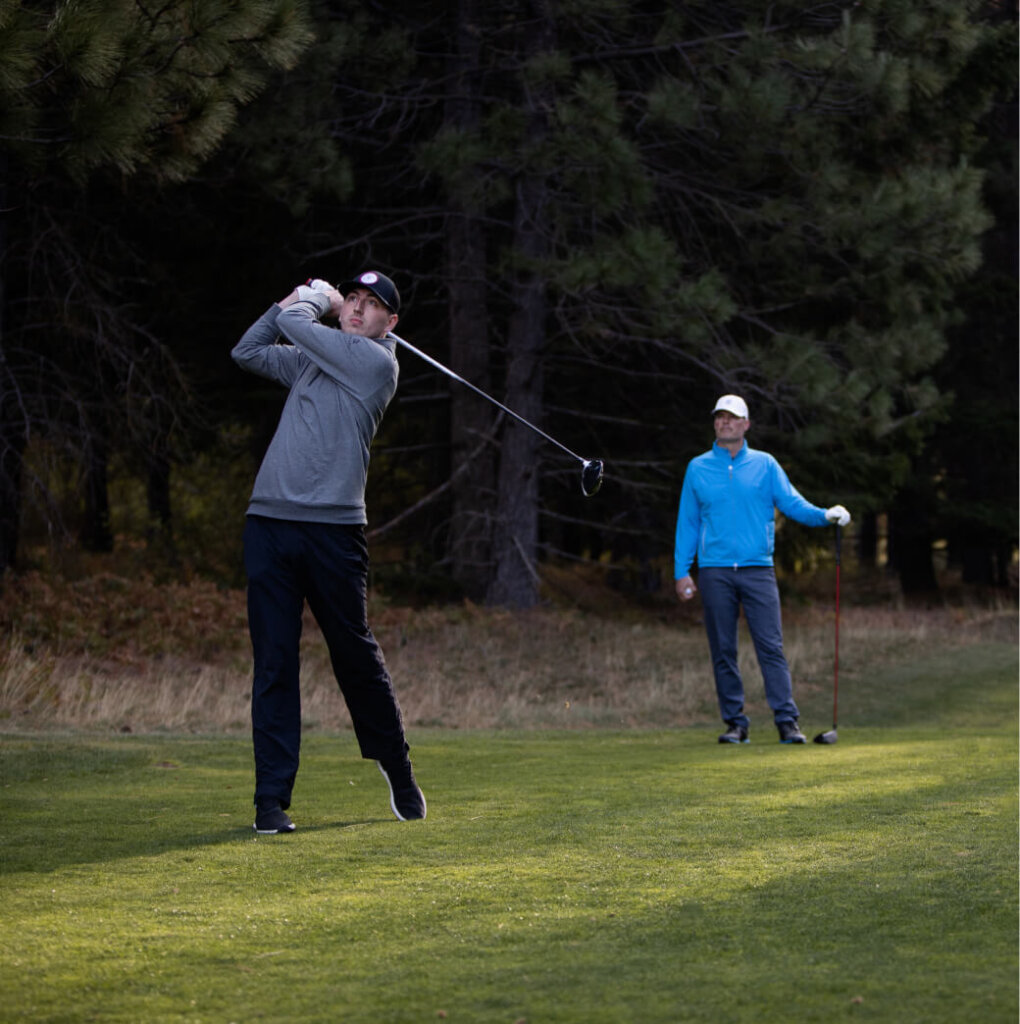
point(726, 520)
point(304, 537)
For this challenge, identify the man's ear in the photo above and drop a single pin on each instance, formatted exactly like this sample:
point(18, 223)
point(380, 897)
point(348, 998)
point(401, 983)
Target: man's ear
point(393, 322)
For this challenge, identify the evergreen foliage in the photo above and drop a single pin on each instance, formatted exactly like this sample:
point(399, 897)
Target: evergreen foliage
point(603, 213)
point(109, 84)
point(94, 93)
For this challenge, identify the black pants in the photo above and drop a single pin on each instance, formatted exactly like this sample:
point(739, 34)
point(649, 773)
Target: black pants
point(326, 564)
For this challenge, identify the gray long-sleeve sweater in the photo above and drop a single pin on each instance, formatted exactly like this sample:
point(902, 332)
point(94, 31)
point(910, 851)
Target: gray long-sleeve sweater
point(316, 466)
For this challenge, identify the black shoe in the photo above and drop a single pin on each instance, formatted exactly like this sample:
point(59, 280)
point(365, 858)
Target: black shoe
point(271, 818)
point(406, 798)
point(735, 734)
point(789, 732)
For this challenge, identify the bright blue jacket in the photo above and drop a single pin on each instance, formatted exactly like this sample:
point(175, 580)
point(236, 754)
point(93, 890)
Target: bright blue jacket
point(727, 510)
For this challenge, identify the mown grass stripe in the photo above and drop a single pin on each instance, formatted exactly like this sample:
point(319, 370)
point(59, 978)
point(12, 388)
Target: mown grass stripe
point(599, 876)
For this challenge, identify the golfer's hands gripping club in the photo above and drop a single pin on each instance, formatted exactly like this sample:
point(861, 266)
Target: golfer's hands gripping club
point(838, 515)
point(685, 588)
point(312, 287)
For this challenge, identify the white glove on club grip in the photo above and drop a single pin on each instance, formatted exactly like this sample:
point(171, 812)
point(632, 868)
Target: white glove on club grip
point(311, 286)
point(838, 515)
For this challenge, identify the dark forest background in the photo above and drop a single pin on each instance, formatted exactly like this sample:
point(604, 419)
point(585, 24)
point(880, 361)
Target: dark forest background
point(603, 213)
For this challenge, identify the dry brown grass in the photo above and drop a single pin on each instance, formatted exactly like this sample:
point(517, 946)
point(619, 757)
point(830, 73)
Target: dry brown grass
point(107, 653)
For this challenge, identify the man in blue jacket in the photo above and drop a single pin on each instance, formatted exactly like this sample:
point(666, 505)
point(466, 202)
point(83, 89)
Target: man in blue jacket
point(727, 521)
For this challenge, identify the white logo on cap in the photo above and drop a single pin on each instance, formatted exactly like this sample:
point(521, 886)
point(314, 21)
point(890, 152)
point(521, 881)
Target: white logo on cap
point(369, 278)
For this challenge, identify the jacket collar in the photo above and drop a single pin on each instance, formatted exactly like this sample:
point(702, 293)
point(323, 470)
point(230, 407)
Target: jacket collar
point(724, 453)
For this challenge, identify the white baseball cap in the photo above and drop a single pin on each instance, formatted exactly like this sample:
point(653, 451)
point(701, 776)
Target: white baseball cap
point(732, 403)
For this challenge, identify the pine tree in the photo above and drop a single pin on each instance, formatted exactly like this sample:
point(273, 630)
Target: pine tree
point(93, 94)
point(770, 198)
point(971, 476)
point(812, 176)
point(605, 214)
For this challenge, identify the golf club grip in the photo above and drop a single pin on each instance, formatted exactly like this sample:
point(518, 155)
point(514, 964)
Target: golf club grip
point(839, 543)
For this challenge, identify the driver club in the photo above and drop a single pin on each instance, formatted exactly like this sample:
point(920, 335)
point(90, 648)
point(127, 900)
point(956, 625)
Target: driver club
point(831, 736)
point(591, 469)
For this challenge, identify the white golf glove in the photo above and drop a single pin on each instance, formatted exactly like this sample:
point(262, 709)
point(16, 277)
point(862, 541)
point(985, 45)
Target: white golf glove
point(838, 515)
point(315, 284)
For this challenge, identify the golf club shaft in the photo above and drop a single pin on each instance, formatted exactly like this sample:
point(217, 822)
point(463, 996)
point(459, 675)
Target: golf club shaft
point(478, 391)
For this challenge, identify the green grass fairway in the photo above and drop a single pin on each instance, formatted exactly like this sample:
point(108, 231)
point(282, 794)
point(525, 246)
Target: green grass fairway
point(591, 877)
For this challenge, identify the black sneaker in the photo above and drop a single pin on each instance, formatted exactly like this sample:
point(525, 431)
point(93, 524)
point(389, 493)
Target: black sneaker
point(789, 732)
point(406, 798)
point(271, 818)
point(735, 734)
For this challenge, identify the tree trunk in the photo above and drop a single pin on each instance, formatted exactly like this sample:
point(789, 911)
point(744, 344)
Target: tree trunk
point(12, 447)
point(867, 539)
point(515, 543)
point(13, 431)
point(96, 534)
point(473, 460)
point(160, 533)
point(910, 542)
point(515, 584)
point(157, 494)
point(978, 565)
point(515, 539)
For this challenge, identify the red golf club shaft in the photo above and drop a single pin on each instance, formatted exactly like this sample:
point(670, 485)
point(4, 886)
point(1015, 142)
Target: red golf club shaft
point(835, 681)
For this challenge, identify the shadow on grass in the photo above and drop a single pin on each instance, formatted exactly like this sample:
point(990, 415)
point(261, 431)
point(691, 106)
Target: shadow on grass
point(78, 799)
point(70, 800)
point(956, 686)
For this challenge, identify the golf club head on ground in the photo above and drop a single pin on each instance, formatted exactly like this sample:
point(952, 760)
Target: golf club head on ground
point(827, 737)
point(591, 476)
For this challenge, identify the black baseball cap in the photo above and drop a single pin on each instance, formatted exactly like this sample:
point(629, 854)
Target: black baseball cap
point(378, 284)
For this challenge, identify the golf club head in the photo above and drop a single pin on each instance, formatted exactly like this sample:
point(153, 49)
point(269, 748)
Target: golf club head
point(827, 737)
point(591, 476)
